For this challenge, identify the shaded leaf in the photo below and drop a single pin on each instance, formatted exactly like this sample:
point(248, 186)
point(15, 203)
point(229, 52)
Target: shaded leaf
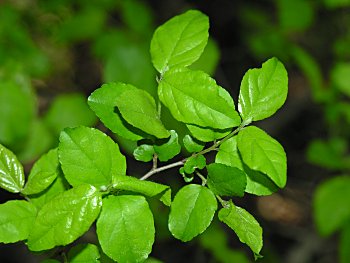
point(192, 145)
point(207, 134)
point(148, 188)
point(169, 149)
point(226, 180)
point(330, 200)
point(103, 102)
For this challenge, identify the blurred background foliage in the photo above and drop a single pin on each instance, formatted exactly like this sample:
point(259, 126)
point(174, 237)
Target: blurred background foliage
point(53, 54)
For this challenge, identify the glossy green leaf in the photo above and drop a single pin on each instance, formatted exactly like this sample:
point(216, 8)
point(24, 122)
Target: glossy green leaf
point(69, 110)
point(244, 225)
point(192, 145)
point(125, 228)
point(192, 211)
point(344, 244)
point(65, 218)
point(193, 97)
point(11, 171)
point(207, 134)
point(169, 149)
point(262, 153)
point(147, 188)
point(144, 153)
point(263, 91)
point(17, 110)
point(89, 156)
point(50, 261)
point(330, 200)
point(103, 102)
point(193, 163)
point(16, 220)
point(138, 108)
point(43, 173)
point(58, 186)
point(84, 253)
point(180, 41)
point(341, 76)
point(226, 180)
point(257, 182)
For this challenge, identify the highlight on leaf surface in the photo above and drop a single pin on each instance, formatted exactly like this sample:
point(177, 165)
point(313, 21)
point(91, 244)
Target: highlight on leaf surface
point(180, 41)
point(263, 91)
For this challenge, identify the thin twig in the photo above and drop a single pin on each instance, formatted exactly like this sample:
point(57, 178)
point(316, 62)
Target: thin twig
point(166, 167)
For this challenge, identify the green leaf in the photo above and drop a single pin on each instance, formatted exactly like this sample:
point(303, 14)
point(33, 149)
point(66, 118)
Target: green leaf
point(58, 186)
point(38, 142)
point(65, 218)
point(16, 220)
point(89, 156)
point(129, 62)
point(329, 154)
point(206, 134)
point(331, 200)
point(11, 171)
point(257, 183)
point(50, 261)
point(209, 59)
point(244, 225)
point(226, 180)
point(17, 110)
point(69, 110)
point(180, 41)
point(193, 163)
point(169, 149)
point(192, 145)
point(103, 102)
point(344, 244)
point(263, 91)
point(138, 16)
point(340, 76)
point(193, 97)
point(144, 153)
point(262, 153)
point(336, 3)
point(148, 188)
point(297, 15)
point(84, 253)
point(125, 228)
point(43, 173)
point(192, 211)
point(138, 108)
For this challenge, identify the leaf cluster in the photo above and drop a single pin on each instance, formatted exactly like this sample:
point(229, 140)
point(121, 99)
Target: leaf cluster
point(85, 179)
